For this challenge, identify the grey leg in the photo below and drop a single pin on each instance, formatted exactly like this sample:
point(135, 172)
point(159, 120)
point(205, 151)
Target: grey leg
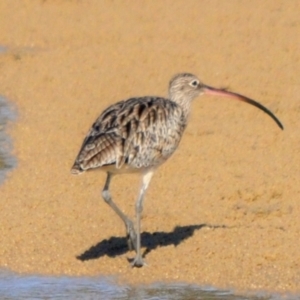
point(138, 261)
point(130, 232)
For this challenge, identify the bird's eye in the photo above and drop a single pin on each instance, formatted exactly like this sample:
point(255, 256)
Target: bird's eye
point(194, 83)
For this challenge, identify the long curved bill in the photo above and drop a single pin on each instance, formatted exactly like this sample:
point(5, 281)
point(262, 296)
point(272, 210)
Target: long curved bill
point(219, 92)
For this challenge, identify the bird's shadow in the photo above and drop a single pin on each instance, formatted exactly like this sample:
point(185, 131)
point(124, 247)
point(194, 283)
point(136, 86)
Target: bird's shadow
point(115, 246)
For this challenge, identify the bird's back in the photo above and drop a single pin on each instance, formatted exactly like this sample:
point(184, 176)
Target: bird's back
point(131, 135)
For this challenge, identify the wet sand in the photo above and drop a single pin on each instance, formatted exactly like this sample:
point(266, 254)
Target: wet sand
point(224, 211)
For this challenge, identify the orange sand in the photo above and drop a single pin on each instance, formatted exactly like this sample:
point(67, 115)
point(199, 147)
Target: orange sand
point(232, 189)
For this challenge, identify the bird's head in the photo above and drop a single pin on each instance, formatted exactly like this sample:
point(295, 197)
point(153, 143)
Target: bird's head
point(185, 87)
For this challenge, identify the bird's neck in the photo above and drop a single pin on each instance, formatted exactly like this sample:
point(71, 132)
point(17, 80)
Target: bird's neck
point(185, 105)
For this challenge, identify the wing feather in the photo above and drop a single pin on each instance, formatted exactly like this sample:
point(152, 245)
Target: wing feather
point(130, 132)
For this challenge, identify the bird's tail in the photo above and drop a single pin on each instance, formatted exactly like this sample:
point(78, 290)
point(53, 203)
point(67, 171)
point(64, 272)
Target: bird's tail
point(76, 169)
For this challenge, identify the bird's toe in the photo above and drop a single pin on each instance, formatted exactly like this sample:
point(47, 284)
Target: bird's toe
point(138, 262)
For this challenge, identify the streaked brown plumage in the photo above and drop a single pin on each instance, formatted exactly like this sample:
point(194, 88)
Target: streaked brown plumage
point(127, 135)
point(138, 135)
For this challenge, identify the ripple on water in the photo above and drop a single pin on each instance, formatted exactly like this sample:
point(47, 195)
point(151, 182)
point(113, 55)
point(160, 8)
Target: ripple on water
point(16, 286)
point(7, 161)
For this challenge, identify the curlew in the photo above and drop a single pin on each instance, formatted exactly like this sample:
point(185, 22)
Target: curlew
point(138, 135)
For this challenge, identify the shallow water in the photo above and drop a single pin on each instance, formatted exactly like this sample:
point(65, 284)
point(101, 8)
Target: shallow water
point(16, 286)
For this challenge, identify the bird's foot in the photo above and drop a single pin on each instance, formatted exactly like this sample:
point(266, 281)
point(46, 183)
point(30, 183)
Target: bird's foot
point(131, 236)
point(138, 262)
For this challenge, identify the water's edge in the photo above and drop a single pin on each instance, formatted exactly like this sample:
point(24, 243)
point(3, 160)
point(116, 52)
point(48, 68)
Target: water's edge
point(18, 286)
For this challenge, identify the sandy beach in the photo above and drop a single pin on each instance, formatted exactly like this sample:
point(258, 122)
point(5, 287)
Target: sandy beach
point(224, 210)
